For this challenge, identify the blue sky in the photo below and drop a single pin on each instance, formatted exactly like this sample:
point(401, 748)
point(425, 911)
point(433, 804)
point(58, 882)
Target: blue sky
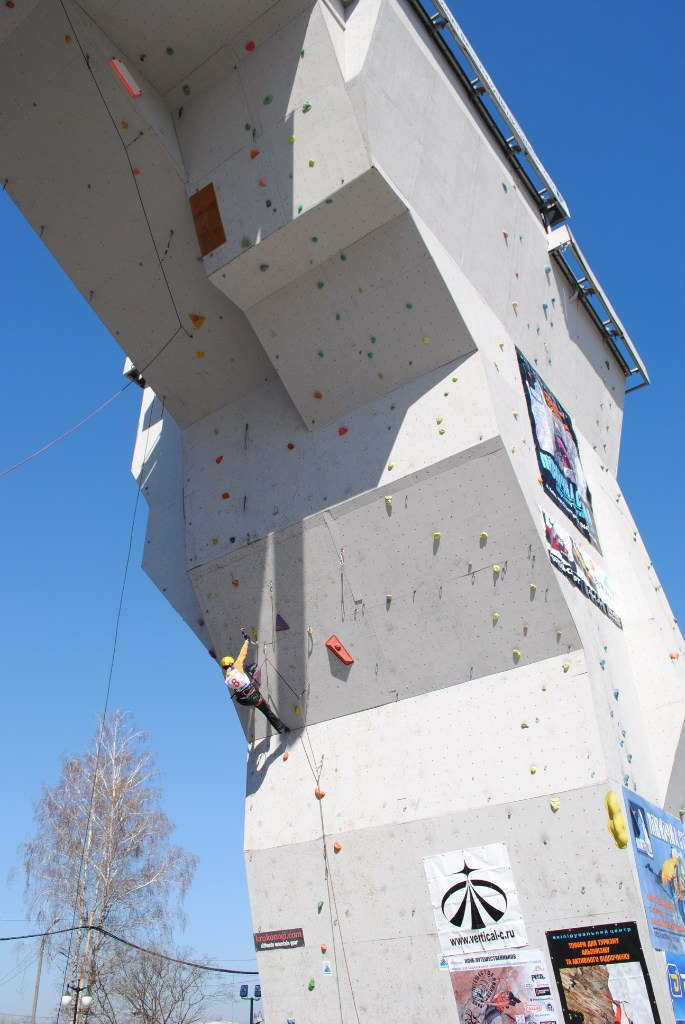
point(599, 93)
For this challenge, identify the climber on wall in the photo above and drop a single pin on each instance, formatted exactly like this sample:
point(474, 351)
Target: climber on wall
point(243, 686)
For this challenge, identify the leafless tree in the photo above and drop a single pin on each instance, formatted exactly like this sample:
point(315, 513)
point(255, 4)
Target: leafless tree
point(102, 854)
point(145, 989)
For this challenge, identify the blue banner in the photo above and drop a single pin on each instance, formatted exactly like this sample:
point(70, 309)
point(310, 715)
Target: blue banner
point(675, 975)
point(659, 844)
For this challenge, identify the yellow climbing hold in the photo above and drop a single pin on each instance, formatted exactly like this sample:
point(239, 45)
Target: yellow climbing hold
point(555, 804)
point(388, 598)
point(501, 344)
point(497, 569)
point(291, 139)
point(514, 304)
point(533, 769)
point(298, 709)
point(426, 341)
point(438, 420)
point(533, 587)
point(454, 380)
point(200, 355)
point(483, 535)
point(558, 633)
point(197, 320)
point(516, 654)
point(441, 431)
point(388, 500)
point(311, 163)
point(215, 540)
point(524, 725)
point(495, 617)
point(616, 823)
point(391, 465)
point(437, 536)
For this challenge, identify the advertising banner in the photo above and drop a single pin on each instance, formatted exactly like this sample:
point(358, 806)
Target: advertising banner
point(675, 975)
point(579, 568)
point(474, 899)
point(556, 447)
point(658, 844)
point(286, 938)
point(502, 988)
point(601, 975)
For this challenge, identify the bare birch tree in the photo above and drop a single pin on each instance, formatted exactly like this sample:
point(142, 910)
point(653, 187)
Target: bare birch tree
point(145, 989)
point(102, 853)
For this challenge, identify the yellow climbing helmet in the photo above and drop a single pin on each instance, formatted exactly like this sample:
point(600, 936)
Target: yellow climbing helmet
point(227, 662)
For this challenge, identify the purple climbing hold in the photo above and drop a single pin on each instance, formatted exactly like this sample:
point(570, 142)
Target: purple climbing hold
point(281, 624)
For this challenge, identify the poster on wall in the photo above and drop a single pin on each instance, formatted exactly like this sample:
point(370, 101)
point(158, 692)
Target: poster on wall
point(675, 975)
point(556, 446)
point(573, 562)
point(602, 976)
point(474, 899)
point(658, 844)
point(510, 987)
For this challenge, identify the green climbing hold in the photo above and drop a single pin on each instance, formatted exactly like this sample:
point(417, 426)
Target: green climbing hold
point(246, 243)
point(314, 238)
point(319, 906)
point(321, 355)
point(268, 99)
point(299, 207)
point(370, 355)
point(302, 52)
point(337, 316)
point(170, 50)
point(373, 340)
point(186, 90)
point(247, 126)
point(232, 540)
point(312, 985)
point(343, 257)
point(328, 202)
point(319, 284)
point(409, 305)
point(306, 107)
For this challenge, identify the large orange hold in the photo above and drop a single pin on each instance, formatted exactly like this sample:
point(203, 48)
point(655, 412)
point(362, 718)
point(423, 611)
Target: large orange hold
point(335, 646)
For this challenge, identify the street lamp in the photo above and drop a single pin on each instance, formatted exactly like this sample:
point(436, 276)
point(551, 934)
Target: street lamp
point(244, 990)
point(68, 1000)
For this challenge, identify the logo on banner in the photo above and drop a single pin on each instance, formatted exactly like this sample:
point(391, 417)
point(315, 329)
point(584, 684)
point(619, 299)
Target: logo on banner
point(674, 981)
point(474, 903)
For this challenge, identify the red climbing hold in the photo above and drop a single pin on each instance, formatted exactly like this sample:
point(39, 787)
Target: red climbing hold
point(136, 170)
point(281, 624)
point(319, 793)
point(10, 4)
point(324, 947)
point(290, 446)
point(236, 583)
point(262, 182)
point(317, 394)
point(342, 431)
point(212, 654)
point(250, 45)
point(334, 645)
point(225, 495)
point(219, 459)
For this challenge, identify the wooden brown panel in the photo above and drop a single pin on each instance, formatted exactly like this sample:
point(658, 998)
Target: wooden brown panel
point(208, 225)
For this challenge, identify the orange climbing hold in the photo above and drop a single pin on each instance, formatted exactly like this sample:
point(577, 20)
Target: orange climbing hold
point(324, 947)
point(254, 154)
point(286, 756)
point(197, 320)
point(262, 182)
point(674, 655)
point(319, 793)
point(225, 495)
point(335, 646)
point(337, 846)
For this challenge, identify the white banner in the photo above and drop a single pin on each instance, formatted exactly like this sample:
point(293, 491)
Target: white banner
point(474, 900)
point(499, 988)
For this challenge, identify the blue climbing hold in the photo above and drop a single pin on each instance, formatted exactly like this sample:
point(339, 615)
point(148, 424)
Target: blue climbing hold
point(281, 624)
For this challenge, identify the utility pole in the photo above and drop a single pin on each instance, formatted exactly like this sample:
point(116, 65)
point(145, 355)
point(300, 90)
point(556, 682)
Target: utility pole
point(37, 985)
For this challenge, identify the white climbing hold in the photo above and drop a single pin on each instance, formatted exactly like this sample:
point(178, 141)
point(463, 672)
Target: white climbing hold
point(566, 666)
point(497, 569)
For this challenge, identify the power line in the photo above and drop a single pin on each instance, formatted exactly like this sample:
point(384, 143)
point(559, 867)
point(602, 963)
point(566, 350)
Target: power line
point(126, 942)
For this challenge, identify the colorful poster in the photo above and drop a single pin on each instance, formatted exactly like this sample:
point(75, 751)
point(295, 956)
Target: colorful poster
point(675, 975)
point(474, 899)
point(658, 844)
point(503, 988)
point(577, 566)
point(556, 446)
point(602, 976)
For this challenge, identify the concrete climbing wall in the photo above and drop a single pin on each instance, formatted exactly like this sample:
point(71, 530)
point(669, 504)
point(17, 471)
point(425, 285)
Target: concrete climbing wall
point(324, 264)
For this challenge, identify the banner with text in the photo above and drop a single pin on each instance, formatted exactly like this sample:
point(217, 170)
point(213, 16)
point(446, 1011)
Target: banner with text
point(573, 562)
point(496, 988)
point(675, 975)
point(658, 844)
point(602, 976)
point(556, 446)
point(474, 899)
